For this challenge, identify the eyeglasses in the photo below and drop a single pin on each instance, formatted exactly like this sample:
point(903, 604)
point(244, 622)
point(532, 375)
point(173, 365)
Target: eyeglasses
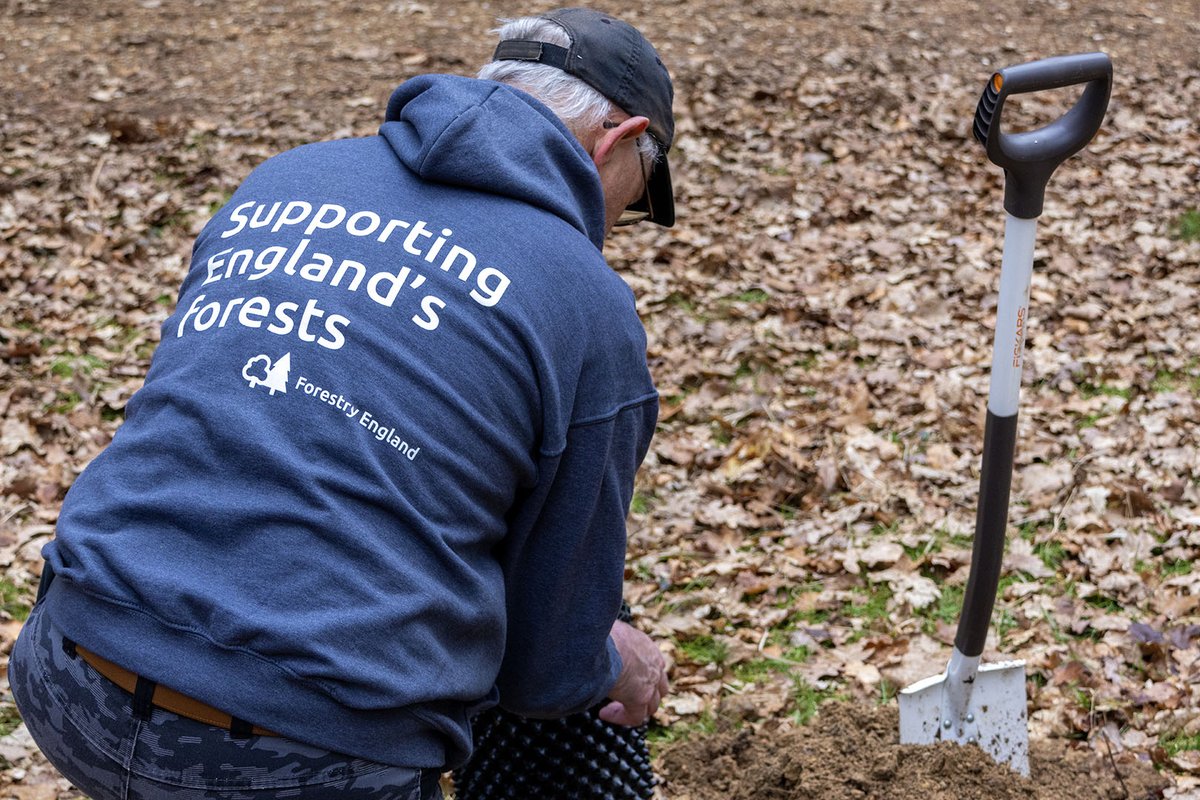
point(640, 209)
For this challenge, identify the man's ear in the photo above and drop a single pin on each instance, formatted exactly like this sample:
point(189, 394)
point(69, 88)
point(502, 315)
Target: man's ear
point(611, 137)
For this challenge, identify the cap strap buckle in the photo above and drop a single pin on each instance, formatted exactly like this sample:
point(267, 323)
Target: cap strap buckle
point(531, 50)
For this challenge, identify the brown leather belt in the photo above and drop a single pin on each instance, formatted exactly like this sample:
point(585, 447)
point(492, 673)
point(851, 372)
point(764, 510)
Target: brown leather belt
point(168, 699)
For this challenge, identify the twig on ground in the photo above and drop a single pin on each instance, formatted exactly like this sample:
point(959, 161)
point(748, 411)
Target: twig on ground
point(1113, 762)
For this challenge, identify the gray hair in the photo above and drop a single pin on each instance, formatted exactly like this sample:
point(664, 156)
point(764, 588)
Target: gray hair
point(580, 107)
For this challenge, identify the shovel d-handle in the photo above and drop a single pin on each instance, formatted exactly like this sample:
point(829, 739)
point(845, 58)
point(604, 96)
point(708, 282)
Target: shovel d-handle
point(1030, 158)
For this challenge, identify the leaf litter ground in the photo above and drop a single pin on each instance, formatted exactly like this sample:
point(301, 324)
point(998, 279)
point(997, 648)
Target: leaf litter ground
point(819, 326)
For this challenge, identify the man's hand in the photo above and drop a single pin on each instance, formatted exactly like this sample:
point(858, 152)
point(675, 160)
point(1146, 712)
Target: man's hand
point(643, 681)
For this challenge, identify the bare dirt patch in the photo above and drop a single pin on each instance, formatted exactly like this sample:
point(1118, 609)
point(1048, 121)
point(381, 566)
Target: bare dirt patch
point(852, 753)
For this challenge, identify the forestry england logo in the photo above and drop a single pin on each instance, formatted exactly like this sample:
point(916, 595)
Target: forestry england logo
point(259, 371)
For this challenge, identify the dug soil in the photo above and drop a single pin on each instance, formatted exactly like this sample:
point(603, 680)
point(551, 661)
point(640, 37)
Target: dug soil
point(852, 752)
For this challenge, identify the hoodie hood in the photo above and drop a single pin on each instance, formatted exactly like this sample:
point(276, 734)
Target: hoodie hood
point(493, 138)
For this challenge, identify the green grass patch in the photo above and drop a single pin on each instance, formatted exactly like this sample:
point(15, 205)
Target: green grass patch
point(10, 718)
point(754, 671)
point(874, 604)
point(808, 362)
point(946, 609)
point(1010, 580)
point(177, 220)
point(66, 402)
point(703, 650)
point(1105, 604)
point(659, 737)
point(815, 616)
point(797, 655)
point(760, 668)
point(872, 609)
point(684, 601)
point(67, 366)
point(131, 334)
point(808, 699)
point(14, 600)
point(641, 502)
point(779, 635)
point(1004, 623)
point(845, 344)
point(880, 529)
point(1168, 380)
point(1164, 381)
point(1187, 227)
point(696, 584)
point(681, 302)
point(937, 541)
point(748, 296)
point(720, 435)
point(1089, 390)
point(1175, 568)
point(1174, 745)
point(1052, 553)
point(203, 139)
point(794, 590)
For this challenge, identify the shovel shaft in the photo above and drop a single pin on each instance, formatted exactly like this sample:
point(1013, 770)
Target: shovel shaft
point(1012, 316)
point(991, 523)
point(1000, 435)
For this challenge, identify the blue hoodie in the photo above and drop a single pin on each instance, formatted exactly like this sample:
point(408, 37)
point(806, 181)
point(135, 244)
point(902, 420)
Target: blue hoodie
point(378, 474)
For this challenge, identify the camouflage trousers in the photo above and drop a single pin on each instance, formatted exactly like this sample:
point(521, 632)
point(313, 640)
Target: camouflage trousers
point(85, 726)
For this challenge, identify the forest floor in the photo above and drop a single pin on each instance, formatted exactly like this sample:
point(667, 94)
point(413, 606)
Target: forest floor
point(820, 323)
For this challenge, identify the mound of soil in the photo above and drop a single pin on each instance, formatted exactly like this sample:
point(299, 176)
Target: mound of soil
point(853, 752)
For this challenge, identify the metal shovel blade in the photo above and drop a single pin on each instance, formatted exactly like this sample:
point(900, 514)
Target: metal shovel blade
point(994, 715)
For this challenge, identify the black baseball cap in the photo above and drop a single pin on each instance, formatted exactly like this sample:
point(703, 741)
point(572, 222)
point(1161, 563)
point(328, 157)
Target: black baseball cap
point(616, 60)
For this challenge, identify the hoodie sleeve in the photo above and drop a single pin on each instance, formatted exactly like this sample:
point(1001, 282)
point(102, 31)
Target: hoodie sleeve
point(564, 563)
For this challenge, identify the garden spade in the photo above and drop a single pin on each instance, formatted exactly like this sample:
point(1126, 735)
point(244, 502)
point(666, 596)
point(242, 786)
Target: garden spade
point(985, 704)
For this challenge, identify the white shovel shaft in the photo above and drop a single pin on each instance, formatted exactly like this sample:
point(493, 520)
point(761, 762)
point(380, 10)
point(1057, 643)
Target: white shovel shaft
point(1012, 315)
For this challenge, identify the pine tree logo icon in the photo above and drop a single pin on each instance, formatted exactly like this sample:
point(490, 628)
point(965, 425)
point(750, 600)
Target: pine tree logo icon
point(259, 371)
